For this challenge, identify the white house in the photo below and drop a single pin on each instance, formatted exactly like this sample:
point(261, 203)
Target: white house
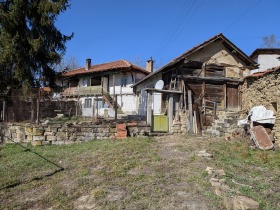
point(266, 58)
point(97, 86)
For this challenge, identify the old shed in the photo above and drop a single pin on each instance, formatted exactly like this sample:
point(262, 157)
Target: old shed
point(207, 81)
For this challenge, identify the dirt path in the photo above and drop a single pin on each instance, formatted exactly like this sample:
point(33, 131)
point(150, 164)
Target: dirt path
point(184, 170)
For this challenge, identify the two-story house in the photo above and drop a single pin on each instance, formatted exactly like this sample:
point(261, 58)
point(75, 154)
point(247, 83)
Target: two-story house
point(103, 86)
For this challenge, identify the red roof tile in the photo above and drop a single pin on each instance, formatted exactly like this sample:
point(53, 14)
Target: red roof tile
point(268, 71)
point(105, 67)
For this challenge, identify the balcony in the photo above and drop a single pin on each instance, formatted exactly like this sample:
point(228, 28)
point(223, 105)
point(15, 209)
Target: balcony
point(82, 91)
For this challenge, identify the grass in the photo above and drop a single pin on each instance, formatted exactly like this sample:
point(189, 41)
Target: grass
point(144, 173)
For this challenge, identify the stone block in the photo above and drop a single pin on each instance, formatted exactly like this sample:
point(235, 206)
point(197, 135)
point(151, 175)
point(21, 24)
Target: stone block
point(38, 138)
point(29, 138)
point(86, 129)
point(48, 129)
point(53, 129)
point(56, 126)
point(48, 133)
point(243, 202)
point(28, 130)
point(51, 138)
point(46, 142)
point(36, 143)
point(58, 142)
point(61, 134)
point(38, 131)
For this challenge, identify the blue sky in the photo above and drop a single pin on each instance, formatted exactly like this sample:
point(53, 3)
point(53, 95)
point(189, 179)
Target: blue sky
point(134, 30)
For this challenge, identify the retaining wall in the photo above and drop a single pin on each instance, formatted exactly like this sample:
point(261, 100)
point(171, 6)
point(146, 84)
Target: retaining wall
point(63, 133)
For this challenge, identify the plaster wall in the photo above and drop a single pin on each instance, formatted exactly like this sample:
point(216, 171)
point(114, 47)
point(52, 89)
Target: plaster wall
point(217, 53)
point(267, 61)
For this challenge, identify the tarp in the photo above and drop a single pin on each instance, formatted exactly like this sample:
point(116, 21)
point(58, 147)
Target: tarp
point(259, 114)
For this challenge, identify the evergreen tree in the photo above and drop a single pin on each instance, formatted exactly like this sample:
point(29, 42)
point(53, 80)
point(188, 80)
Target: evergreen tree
point(30, 44)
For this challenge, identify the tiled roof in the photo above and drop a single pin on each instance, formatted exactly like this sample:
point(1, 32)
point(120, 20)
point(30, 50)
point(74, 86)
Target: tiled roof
point(268, 71)
point(105, 67)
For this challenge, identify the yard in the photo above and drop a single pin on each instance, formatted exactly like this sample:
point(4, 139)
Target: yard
point(144, 173)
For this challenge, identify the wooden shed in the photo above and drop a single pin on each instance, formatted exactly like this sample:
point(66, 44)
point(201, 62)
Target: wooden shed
point(212, 73)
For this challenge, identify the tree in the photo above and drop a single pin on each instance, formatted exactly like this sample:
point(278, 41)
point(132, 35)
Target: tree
point(270, 41)
point(67, 64)
point(30, 44)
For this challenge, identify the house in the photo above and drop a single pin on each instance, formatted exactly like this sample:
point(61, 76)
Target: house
point(100, 87)
point(203, 81)
point(263, 88)
point(266, 58)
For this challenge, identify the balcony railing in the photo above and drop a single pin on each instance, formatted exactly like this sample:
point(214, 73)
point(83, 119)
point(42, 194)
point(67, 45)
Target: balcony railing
point(83, 91)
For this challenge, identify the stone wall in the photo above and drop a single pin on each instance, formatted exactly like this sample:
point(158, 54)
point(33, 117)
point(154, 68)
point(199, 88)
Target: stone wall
point(66, 133)
point(263, 89)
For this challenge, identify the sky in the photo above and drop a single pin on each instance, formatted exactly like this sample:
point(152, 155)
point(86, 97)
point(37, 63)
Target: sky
point(135, 30)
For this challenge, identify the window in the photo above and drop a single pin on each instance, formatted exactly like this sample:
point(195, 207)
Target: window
point(86, 82)
point(88, 103)
point(124, 81)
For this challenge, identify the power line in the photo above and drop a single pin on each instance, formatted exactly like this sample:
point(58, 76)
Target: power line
point(245, 12)
point(178, 23)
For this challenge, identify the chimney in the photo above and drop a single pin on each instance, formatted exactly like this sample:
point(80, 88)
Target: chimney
point(88, 64)
point(150, 65)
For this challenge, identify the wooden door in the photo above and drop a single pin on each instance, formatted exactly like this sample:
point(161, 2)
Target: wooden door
point(232, 97)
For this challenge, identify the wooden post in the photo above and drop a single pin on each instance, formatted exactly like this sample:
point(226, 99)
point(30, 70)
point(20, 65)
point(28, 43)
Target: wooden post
point(116, 107)
point(149, 108)
point(115, 99)
point(96, 102)
point(93, 106)
point(239, 97)
point(190, 110)
point(170, 112)
point(38, 107)
point(225, 96)
point(197, 118)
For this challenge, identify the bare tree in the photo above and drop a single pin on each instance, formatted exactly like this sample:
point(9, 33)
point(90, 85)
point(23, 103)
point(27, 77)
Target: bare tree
point(67, 64)
point(270, 41)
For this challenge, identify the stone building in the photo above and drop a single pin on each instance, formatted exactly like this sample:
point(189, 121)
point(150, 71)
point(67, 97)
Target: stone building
point(263, 88)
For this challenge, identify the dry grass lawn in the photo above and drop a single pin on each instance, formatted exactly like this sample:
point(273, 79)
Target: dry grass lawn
point(145, 173)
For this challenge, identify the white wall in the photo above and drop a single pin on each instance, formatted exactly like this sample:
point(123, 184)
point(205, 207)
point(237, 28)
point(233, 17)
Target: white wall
point(142, 96)
point(125, 96)
point(88, 112)
point(118, 84)
point(128, 103)
point(266, 62)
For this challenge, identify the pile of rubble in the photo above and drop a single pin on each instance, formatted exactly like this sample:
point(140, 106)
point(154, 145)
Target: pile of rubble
point(258, 126)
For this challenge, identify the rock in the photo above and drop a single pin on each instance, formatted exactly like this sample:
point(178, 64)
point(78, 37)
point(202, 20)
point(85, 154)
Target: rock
point(243, 203)
point(210, 170)
point(203, 153)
